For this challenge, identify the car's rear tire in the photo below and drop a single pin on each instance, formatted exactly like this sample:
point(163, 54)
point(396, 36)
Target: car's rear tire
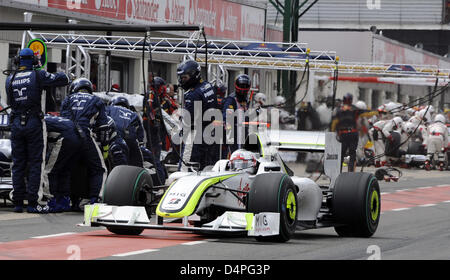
point(356, 204)
point(275, 192)
point(125, 186)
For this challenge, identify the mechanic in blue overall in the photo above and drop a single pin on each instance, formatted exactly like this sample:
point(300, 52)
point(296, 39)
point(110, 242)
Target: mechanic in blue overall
point(129, 128)
point(88, 113)
point(148, 163)
point(67, 143)
point(118, 148)
point(194, 148)
point(236, 101)
point(152, 124)
point(28, 131)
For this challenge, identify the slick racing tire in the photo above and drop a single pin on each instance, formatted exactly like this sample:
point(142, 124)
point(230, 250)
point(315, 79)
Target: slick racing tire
point(356, 204)
point(126, 185)
point(275, 192)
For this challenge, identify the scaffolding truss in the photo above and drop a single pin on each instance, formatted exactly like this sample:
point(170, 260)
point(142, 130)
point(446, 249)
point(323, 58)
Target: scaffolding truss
point(239, 54)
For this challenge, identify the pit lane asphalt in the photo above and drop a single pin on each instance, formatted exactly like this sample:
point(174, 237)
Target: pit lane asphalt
point(416, 233)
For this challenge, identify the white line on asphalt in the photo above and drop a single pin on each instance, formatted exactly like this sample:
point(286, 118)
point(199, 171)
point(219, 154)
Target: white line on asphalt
point(198, 242)
point(135, 253)
point(447, 201)
point(422, 188)
point(54, 235)
point(427, 205)
point(400, 209)
point(17, 216)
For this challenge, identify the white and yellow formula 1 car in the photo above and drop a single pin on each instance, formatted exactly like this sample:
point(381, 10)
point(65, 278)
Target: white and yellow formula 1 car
point(271, 203)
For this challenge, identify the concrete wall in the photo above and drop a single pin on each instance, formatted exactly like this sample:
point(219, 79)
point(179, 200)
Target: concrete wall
point(348, 45)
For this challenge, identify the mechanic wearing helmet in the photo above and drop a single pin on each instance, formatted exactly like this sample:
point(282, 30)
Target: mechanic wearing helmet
point(392, 131)
point(260, 100)
point(221, 90)
point(236, 101)
point(377, 138)
point(88, 113)
point(118, 152)
point(28, 131)
point(437, 142)
point(345, 121)
point(66, 143)
point(169, 106)
point(243, 160)
point(153, 124)
point(129, 128)
point(258, 105)
point(363, 124)
point(194, 148)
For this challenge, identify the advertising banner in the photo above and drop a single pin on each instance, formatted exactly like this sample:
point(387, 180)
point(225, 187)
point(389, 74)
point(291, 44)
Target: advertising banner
point(220, 18)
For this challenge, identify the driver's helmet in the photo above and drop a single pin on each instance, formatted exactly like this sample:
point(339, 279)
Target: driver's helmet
point(243, 160)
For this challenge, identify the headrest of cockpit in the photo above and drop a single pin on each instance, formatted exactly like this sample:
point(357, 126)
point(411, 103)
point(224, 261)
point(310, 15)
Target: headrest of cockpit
point(253, 144)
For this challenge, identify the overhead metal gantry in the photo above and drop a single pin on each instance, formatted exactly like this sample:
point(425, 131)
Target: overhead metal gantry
point(242, 54)
point(221, 53)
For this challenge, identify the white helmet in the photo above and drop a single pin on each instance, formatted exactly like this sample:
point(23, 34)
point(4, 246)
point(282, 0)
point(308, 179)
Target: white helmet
point(260, 98)
point(430, 109)
point(424, 116)
point(279, 100)
point(361, 105)
point(410, 127)
point(439, 118)
point(410, 111)
point(397, 121)
point(394, 107)
point(243, 160)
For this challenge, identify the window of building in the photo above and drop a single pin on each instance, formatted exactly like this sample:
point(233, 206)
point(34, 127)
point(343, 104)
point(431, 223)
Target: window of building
point(119, 73)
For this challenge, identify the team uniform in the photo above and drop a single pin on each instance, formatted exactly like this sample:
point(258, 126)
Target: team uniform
point(152, 124)
point(345, 122)
point(437, 142)
point(195, 149)
point(118, 152)
point(89, 115)
point(66, 143)
point(28, 131)
point(130, 129)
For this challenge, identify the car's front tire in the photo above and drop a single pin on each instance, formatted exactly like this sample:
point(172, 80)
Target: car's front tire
point(275, 192)
point(125, 186)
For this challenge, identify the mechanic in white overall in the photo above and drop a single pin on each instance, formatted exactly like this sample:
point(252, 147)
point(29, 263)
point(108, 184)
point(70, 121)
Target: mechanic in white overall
point(377, 138)
point(392, 131)
point(418, 121)
point(437, 142)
